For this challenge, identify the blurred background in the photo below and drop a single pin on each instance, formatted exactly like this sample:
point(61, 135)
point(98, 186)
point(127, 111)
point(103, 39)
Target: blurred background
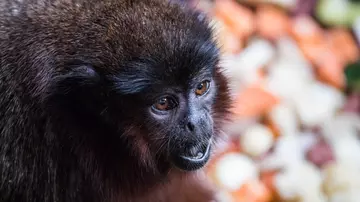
point(295, 76)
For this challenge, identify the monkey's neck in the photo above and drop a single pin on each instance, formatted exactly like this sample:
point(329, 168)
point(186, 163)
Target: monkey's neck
point(116, 171)
point(107, 162)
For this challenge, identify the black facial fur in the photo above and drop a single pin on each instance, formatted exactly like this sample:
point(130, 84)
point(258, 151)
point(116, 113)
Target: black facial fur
point(78, 83)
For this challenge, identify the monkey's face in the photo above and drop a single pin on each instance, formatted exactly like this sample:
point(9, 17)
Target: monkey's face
point(183, 117)
point(167, 111)
point(173, 107)
point(150, 91)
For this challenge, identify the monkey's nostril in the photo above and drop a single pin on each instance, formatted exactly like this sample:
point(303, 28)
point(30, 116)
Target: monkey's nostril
point(190, 126)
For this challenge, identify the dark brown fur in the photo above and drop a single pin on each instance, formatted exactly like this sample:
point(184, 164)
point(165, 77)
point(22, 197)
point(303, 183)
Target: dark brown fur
point(67, 134)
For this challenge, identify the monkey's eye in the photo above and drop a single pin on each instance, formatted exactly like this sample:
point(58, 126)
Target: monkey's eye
point(202, 87)
point(164, 104)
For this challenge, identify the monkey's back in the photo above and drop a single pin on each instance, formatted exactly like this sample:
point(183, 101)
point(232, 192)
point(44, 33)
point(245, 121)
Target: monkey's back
point(37, 39)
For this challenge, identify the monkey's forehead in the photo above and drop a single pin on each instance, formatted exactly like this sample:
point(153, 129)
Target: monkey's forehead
point(183, 69)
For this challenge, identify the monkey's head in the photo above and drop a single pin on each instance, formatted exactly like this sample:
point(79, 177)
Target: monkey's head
point(141, 78)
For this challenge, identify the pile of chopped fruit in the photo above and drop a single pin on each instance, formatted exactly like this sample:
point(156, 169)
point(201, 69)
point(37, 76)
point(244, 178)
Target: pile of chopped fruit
point(294, 73)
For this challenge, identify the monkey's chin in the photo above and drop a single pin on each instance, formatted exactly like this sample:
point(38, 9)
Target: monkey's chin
point(193, 160)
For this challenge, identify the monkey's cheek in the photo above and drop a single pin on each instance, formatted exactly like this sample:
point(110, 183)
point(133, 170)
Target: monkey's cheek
point(187, 162)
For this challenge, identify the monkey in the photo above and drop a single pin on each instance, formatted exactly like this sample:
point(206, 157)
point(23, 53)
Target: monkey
point(108, 101)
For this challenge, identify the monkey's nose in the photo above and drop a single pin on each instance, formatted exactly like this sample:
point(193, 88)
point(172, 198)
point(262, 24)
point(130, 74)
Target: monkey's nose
point(190, 126)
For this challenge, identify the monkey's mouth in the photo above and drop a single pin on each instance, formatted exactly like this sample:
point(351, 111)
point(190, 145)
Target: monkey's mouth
point(192, 158)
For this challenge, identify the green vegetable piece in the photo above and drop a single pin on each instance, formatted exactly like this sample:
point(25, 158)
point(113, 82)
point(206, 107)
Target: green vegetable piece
point(355, 1)
point(352, 74)
point(337, 12)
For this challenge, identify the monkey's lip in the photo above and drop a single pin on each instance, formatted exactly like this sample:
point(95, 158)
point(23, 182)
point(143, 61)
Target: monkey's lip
point(198, 155)
point(194, 158)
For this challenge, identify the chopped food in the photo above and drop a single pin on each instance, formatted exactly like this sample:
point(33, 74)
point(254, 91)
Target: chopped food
point(256, 140)
point(254, 191)
point(233, 170)
point(295, 133)
point(344, 45)
point(239, 18)
point(280, 22)
point(320, 154)
point(253, 101)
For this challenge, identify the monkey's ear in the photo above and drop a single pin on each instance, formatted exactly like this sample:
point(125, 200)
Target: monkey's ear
point(82, 72)
point(77, 86)
point(75, 80)
point(80, 75)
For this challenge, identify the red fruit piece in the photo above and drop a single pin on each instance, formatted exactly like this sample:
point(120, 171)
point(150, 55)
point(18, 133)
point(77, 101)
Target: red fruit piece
point(320, 154)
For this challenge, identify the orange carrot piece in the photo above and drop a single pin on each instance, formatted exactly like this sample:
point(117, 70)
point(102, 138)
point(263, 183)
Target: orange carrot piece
point(343, 44)
point(328, 63)
point(310, 37)
point(253, 101)
point(328, 52)
point(305, 30)
point(239, 18)
point(330, 69)
point(270, 124)
point(254, 191)
point(312, 51)
point(268, 179)
point(272, 22)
